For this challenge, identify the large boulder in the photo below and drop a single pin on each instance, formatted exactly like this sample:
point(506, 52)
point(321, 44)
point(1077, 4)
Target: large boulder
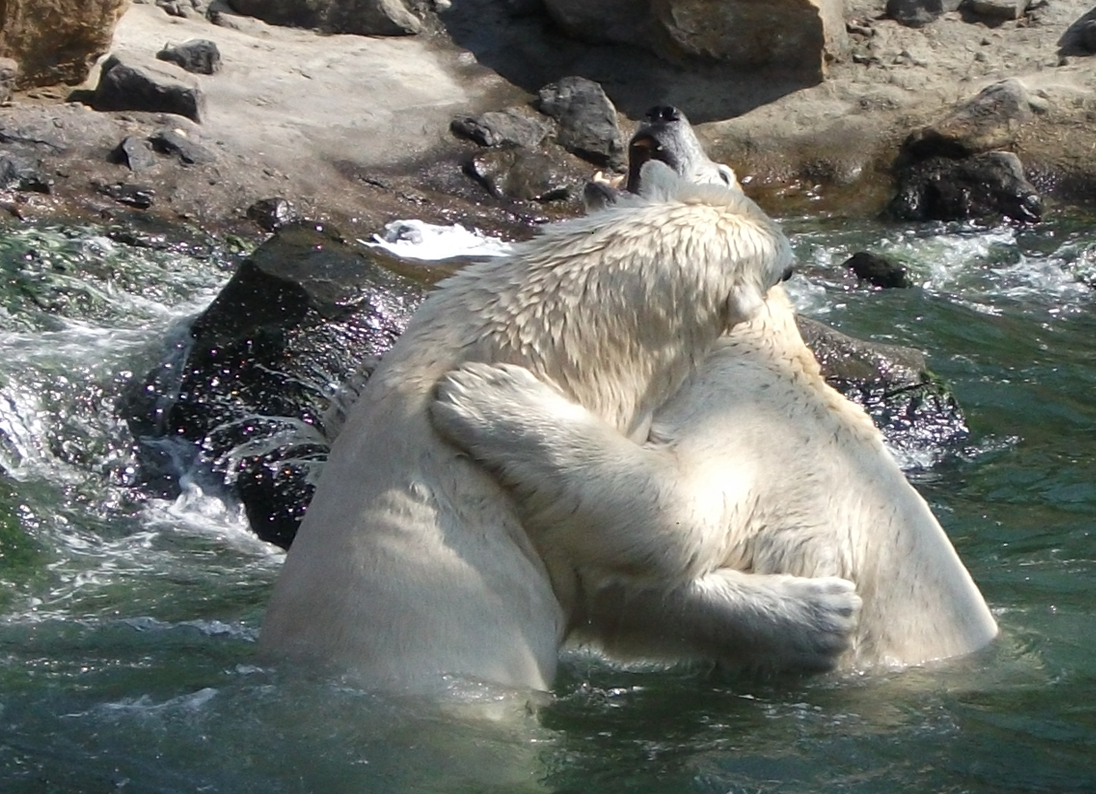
point(797, 36)
point(57, 41)
point(245, 393)
point(362, 17)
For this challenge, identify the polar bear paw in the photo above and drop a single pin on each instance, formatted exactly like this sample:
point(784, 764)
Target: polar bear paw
point(824, 615)
point(497, 412)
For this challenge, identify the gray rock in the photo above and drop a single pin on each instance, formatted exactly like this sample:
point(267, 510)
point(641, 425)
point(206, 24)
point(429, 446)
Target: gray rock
point(501, 128)
point(23, 173)
point(138, 196)
point(520, 174)
point(272, 214)
point(362, 17)
point(918, 13)
point(588, 123)
point(136, 85)
point(135, 153)
point(997, 9)
point(169, 141)
point(9, 75)
point(199, 56)
point(990, 120)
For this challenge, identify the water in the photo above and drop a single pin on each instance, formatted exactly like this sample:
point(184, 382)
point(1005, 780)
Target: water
point(127, 623)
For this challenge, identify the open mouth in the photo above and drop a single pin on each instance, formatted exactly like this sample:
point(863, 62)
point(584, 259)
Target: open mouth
point(644, 148)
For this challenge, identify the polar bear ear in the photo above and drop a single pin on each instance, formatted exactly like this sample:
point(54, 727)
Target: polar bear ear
point(744, 304)
point(657, 181)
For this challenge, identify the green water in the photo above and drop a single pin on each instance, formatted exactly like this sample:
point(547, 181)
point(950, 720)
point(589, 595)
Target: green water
point(127, 623)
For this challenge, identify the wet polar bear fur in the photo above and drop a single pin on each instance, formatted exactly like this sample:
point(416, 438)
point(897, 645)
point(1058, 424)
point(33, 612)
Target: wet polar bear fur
point(758, 485)
point(757, 478)
point(411, 562)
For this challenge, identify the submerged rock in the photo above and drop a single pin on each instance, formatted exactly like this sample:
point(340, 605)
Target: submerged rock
point(985, 186)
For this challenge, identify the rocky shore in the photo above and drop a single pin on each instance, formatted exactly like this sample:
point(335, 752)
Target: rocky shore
point(363, 129)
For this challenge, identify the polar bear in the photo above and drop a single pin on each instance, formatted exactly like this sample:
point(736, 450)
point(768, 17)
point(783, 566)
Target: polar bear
point(756, 478)
point(411, 562)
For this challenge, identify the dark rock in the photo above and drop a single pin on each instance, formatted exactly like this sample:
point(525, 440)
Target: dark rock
point(501, 128)
point(912, 407)
point(247, 391)
point(169, 141)
point(1080, 37)
point(996, 10)
point(917, 13)
point(1086, 36)
point(878, 270)
point(985, 186)
point(272, 214)
point(990, 120)
point(138, 86)
point(363, 17)
point(138, 196)
point(135, 153)
point(520, 174)
point(23, 174)
point(588, 124)
point(200, 56)
point(9, 75)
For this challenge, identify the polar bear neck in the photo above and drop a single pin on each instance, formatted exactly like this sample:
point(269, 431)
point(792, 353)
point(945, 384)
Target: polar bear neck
point(617, 308)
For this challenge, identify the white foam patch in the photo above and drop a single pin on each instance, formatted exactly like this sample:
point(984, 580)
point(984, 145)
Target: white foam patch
point(415, 239)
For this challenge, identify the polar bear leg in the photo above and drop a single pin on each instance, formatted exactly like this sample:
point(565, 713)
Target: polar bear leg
point(757, 621)
point(631, 514)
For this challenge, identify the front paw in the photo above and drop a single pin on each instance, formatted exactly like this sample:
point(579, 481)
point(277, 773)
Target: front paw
point(477, 405)
point(823, 616)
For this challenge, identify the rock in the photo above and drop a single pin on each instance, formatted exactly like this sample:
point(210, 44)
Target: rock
point(23, 174)
point(912, 407)
point(1080, 37)
point(588, 125)
point(171, 141)
point(788, 36)
point(917, 13)
point(57, 41)
point(997, 10)
point(501, 128)
point(878, 270)
point(272, 214)
point(9, 76)
point(135, 85)
point(363, 17)
point(138, 196)
point(246, 392)
point(199, 56)
point(793, 36)
point(135, 153)
point(520, 174)
point(990, 120)
point(980, 187)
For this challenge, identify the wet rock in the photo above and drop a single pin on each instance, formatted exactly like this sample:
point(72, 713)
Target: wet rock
point(510, 127)
point(990, 120)
point(912, 407)
point(199, 56)
point(520, 174)
point(272, 214)
point(984, 186)
point(878, 270)
point(138, 196)
point(135, 153)
point(138, 85)
point(363, 17)
point(23, 174)
point(588, 125)
point(246, 392)
point(174, 142)
point(57, 41)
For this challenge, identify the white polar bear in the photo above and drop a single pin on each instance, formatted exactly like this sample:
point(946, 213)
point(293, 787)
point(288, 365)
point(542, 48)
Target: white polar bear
point(757, 479)
point(411, 561)
point(756, 476)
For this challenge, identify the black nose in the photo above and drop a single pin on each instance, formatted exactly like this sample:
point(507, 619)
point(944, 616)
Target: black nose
point(663, 113)
point(789, 271)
